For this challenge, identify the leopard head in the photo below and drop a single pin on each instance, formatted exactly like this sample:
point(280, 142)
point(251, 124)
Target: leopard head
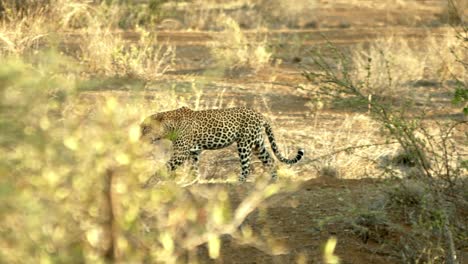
point(153, 129)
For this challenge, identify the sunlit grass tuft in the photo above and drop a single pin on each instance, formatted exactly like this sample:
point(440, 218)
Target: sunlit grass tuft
point(233, 50)
point(21, 35)
point(104, 51)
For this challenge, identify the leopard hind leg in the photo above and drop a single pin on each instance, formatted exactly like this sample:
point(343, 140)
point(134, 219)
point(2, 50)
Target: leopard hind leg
point(266, 158)
point(244, 149)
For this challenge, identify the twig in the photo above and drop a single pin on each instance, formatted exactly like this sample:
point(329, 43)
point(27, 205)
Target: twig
point(352, 148)
point(110, 254)
point(247, 206)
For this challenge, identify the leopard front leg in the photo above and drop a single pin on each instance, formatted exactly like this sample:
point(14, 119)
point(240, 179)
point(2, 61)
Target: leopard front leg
point(195, 155)
point(177, 158)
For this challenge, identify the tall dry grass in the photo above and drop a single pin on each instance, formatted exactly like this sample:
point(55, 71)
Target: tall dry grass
point(395, 63)
point(19, 35)
point(30, 25)
point(101, 48)
point(104, 51)
point(232, 49)
point(352, 151)
point(282, 13)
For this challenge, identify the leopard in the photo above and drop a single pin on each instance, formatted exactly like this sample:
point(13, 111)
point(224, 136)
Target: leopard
point(192, 131)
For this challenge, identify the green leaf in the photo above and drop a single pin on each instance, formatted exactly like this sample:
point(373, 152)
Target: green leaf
point(460, 96)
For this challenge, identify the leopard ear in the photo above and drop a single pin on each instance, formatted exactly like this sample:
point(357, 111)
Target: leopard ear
point(156, 117)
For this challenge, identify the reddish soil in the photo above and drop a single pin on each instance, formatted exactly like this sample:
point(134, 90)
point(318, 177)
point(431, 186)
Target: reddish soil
point(301, 222)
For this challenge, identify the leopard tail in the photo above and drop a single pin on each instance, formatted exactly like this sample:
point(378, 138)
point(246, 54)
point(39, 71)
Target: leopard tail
point(271, 138)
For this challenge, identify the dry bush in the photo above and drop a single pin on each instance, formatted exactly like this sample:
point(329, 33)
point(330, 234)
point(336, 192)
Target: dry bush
point(21, 8)
point(408, 223)
point(388, 66)
point(348, 154)
point(102, 50)
point(409, 194)
point(203, 15)
point(77, 14)
point(146, 59)
point(283, 13)
point(58, 14)
point(327, 171)
point(19, 35)
point(98, 46)
point(249, 14)
point(403, 158)
point(232, 49)
point(437, 156)
point(105, 52)
point(25, 25)
point(455, 12)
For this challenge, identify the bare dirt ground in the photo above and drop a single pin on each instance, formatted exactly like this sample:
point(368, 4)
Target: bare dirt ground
point(298, 221)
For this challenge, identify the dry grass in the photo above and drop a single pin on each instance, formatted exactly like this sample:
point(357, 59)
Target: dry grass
point(233, 50)
point(456, 11)
point(282, 13)
point(105, 52)
point(383, 4)
point(350, 147)
point(396, 63)
point(20, 35)
point(102, 50)
point(356, 130)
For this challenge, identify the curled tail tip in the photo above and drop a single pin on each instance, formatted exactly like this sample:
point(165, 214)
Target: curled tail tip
point(300, 154)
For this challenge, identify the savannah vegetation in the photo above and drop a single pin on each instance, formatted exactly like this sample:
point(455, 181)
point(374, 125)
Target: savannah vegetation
point(375, 92)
